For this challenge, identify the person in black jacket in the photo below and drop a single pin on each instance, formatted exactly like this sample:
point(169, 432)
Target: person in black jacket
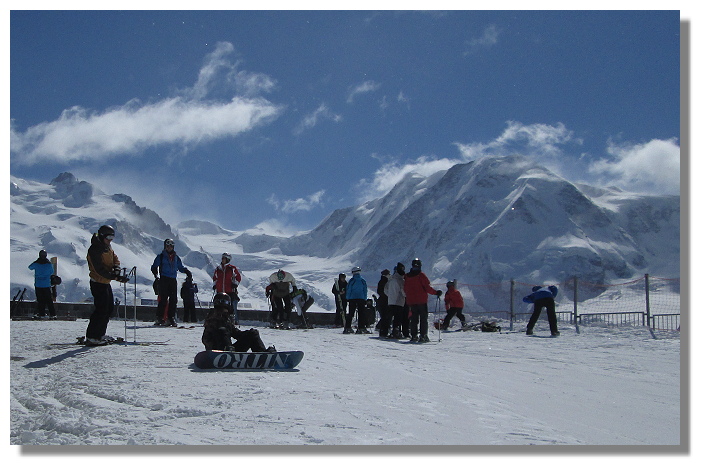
point(341, 302)
point(219, 330)
point(188, 292)
point(385, 314)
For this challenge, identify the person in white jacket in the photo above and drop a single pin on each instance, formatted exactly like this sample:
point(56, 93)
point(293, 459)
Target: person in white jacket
point(397, 302)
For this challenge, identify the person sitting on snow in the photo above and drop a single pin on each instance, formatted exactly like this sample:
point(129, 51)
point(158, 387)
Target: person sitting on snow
point(219, 329)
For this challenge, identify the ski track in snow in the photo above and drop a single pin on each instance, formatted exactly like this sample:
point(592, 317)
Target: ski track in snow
point(605, 386)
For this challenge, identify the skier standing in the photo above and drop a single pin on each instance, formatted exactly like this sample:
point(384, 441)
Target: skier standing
point(43, 272)
point(543, 297)
point(188, 291)
point(165, 268)
point(356, 294)
point(341, 302)
point(454, 305)
point(226, 278)
point(417, 287)
point(281, 284)
point(394, 290)
point(385, 315)
point(103, 267)
point(218, 329)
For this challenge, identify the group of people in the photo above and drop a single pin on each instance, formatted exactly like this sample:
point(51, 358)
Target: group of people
point(402, 301)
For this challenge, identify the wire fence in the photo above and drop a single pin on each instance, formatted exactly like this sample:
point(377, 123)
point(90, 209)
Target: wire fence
point(646, 301)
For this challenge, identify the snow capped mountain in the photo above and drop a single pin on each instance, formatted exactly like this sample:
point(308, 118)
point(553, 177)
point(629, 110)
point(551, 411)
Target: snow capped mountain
point(489, 220)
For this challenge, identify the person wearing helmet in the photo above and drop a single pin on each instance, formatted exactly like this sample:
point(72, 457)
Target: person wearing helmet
point(103, 267)
point(417, 287)
point(43, 271)
point(219, 330)
point(165, 268)
point(226, 278)
point(454, 305)
point(385, 315)
point(281, 284)
point(356, 294)
point(396, 299)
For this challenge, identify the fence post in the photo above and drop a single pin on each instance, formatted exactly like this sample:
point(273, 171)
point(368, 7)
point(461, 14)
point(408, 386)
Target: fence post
point(575, 300)
point(648, 303)
point(511, 305)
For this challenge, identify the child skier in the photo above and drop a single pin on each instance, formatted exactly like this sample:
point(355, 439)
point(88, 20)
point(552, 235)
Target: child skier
point(454, 305)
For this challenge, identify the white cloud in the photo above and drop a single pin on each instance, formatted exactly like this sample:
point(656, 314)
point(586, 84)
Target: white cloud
point(389, 174)
point(489, 38)
point(652, 167)
point(364, 87)
point(311, 120)
point(304, 204)
point(82, 135)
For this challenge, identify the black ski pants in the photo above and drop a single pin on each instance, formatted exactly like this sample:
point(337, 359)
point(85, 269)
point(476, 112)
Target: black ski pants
point(281, 309)
point(167, 297)
point(418, 324)
point(550, 305)
point(44, 301)
point(453, 312)
point(397, 312)
point(356, 305)
point(104, 304)
point(386, 318)
point(190, 311)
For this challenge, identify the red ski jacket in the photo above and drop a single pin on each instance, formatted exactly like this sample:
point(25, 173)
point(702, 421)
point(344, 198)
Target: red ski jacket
point(453, 299)
point(226, 278)
point(417, 287)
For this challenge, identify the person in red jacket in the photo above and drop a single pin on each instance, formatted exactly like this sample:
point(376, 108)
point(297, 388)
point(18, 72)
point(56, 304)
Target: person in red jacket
point(417, 287)
point(454, 305)
point(226, 278)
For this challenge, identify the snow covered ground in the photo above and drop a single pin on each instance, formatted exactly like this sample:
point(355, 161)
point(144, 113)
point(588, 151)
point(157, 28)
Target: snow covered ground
point(605, 386)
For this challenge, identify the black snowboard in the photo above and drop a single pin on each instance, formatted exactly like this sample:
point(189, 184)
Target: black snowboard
point(230, 360)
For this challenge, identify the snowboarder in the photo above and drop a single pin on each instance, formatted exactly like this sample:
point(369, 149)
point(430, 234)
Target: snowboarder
point(394, 290)
point(454, 305)
point(281, 284)
point(43, 273)
point(543, 297)
point(188, 291)
point(341, 302)
point(356, 294)
point(103, 267)
point(219, 329)
point(165, 268)
point(226, 278)
point(417, 287)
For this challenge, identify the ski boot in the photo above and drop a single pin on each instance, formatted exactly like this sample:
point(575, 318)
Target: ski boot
point(424, 339)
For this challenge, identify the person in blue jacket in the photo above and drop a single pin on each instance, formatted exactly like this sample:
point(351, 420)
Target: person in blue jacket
point(165, 267)
point(543, 297)
point(43, 271)
point(356, 294)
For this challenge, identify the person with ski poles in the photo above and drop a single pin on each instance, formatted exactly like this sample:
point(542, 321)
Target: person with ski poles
point(341, 302)
point(356, 295)
point(165, 268)
point(281, 284)
point(103, 267)
point(43, 272)
point(396, 300)
point(226, 278)
point(417, 287)
point(543, 297)
point(189, 289)
point(454, 306)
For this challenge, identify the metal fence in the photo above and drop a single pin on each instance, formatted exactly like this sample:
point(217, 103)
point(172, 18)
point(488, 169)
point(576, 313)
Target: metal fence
point(646, 301)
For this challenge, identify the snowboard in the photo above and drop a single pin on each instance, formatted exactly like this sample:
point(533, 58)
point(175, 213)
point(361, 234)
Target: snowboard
point(231, 360)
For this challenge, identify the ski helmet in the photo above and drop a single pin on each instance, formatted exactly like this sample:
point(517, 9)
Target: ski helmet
point(416, 263)
point(450, 284)
point(400, 268)
point(222, 299)
point(281, 274)
point(42, 253)
point(106, 232)
point(356, 269)
point(168, 242)
point(227, 257)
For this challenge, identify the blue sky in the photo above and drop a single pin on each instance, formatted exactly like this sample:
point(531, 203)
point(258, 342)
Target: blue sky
point(278, 118)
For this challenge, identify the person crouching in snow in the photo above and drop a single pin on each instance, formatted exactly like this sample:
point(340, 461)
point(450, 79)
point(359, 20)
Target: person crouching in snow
point(543, 297)
point(218, 329)
point(454, 306)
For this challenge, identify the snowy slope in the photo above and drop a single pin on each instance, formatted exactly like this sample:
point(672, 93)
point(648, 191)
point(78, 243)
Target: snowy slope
point(606, 386)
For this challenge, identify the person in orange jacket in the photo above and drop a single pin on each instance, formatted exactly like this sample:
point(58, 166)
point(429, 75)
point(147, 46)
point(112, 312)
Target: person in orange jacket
point(454, 305)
